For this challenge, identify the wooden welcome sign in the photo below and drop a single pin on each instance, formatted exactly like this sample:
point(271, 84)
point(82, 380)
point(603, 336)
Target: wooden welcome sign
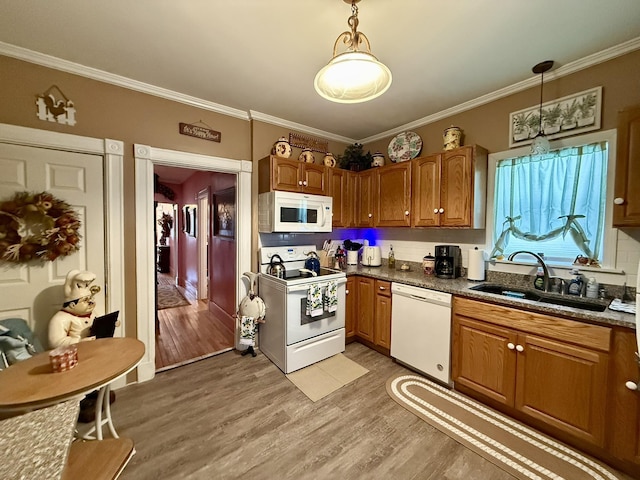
point(200, 132)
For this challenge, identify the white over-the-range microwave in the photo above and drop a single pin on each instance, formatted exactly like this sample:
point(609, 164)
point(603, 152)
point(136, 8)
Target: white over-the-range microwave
point(294, 212)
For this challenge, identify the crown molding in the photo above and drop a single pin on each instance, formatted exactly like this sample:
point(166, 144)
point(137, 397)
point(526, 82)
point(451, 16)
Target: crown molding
point(100, 75)
point(568, 69)
point(263, 117)
point(120, 81)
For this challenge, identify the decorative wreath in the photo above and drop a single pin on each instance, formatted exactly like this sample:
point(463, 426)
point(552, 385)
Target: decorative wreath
point(37, 226)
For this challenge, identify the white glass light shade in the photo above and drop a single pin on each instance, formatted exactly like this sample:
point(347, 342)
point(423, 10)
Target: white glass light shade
point(353, 77)
point(540, 145)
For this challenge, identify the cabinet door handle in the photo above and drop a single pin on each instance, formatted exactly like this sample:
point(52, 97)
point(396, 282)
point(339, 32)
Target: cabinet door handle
point(304, 183)
point(346, 292)
point(631, 385)
point(435, 210)
point(520, 348)
point(510, 346)
point(370, 215)
point(300, 182)
point(406, 213)
point(618, 200)
point(441, 210)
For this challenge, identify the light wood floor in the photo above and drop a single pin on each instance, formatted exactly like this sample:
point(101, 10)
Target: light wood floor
point(232, 417)
point(188, 333)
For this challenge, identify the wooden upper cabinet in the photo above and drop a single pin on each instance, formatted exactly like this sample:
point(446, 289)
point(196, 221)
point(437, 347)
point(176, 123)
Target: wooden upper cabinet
point(393, 202)
point(314, 179)
point(455, 188)
point(341, 189)
point(275, 173)
point(626, 208)
point(450, 188)
point(425, 187)
point(364, 198)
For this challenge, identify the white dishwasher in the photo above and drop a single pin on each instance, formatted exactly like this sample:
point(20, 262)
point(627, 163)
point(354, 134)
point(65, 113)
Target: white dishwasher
point(421, 330)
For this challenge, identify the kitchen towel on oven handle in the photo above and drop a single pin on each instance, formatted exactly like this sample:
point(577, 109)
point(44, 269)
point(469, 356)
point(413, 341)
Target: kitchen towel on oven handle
point(331, 296)
point(314, 300)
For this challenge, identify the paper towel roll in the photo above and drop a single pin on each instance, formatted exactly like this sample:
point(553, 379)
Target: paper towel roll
point(475, 271)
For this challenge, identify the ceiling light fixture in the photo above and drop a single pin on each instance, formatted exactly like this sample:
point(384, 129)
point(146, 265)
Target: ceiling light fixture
point(355, 75)
point(540, 144)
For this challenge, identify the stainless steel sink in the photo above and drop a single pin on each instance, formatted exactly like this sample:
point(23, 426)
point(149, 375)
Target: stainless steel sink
point(554, 299)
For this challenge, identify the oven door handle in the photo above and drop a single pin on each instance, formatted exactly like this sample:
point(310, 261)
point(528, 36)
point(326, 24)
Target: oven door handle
point(305, 287)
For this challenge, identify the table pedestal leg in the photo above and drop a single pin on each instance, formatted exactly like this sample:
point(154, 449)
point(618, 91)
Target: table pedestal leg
point(102, 402)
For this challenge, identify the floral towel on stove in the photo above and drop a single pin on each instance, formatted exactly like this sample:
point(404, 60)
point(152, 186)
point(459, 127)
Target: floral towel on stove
point(248, 330)
point(331, 296)
point(314, 301)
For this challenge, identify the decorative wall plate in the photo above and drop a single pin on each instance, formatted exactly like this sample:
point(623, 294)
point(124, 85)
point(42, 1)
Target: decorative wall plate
point(405, 146)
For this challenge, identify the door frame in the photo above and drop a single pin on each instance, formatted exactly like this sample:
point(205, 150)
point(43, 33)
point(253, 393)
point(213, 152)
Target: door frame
point(146, 157)
point(112, 152)
point(203, 243)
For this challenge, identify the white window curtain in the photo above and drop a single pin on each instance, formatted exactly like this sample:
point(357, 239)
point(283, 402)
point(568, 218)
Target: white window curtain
point(560, 195)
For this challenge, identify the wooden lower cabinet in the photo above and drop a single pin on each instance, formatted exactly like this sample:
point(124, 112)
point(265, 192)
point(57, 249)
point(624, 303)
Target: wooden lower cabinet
point(623, 412)
point(373, 313)
point(366, 306)
point(351, 309)
point(382, 315)
point(550, 369)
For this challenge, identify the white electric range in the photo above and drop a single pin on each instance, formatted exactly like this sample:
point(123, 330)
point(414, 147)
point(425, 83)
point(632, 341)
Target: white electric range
point(291, 337)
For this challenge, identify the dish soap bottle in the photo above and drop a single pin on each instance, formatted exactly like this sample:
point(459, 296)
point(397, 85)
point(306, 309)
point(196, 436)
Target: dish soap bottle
point(392, 258)
point(576, 283)
point(538, 282)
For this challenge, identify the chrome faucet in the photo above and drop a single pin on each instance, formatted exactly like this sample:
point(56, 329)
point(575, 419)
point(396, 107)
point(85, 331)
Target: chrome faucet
point(545, 281)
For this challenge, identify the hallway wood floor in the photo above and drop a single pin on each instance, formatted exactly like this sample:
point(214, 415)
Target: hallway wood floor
point(233, 417)
point(188, 333)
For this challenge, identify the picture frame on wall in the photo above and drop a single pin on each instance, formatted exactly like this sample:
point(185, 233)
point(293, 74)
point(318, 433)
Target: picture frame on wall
point(571, 115)
point(224, 213)
point(189, 220)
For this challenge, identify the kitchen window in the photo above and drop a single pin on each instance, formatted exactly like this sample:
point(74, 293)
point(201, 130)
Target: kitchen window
point(553, 204)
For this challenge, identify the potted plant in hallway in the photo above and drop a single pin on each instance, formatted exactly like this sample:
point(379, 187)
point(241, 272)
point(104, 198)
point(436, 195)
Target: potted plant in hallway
point(166, 224)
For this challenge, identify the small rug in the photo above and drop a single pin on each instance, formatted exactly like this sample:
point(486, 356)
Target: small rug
point(320, 379)
point(516, 448)
point(169, 296)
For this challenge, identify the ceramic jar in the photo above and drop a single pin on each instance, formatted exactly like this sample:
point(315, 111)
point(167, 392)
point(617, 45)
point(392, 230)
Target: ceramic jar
point(329, 160)
point(307, 156)
point(282, 148)
point(429, 265)
point(452, 137)
point(378, 160)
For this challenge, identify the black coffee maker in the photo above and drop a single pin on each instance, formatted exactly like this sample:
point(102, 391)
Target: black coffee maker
point(447, 261)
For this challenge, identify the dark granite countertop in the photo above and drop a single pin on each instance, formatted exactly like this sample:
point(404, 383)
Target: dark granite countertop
point(461, 287)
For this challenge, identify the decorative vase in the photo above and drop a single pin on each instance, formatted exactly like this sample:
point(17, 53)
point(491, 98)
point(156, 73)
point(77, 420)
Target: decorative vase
point(282, 148)
point(378, 160)
point(329, 160)
point(451, 137)
point(307, 156)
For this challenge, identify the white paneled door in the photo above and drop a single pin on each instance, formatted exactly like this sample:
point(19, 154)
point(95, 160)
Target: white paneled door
point(34, 292)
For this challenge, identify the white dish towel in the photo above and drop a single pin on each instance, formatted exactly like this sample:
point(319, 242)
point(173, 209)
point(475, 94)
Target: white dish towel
point(314, 300)
point(331, 296)
point(248, 330)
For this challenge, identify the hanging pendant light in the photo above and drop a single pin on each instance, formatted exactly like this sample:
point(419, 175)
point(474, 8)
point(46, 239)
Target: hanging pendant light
point(540, 144)
point(355, 75)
